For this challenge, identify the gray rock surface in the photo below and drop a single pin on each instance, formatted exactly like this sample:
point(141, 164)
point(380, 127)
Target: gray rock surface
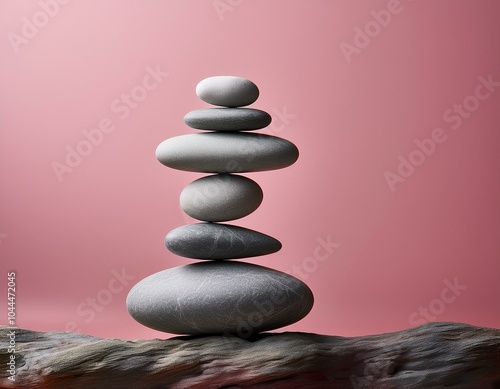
point(219, 152)
point(219, 241)
point(432, 356)
point(228, 91)
point(227, 119)
point(221, 197)
point(218, 297)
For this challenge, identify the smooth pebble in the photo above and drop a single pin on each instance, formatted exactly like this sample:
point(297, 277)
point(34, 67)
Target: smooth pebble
point(216, 241)
point(227, 119)
point(227, 91)
point(217, 297)
point(221, 197)
point(219, 152)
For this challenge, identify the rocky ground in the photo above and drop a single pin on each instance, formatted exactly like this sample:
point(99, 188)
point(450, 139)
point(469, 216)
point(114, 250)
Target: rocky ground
point(434, 355)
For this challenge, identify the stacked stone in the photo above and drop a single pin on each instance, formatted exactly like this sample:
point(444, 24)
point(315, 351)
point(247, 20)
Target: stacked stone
point(220, 295)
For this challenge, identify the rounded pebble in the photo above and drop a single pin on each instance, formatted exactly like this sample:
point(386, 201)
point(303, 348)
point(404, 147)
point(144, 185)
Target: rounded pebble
point(221, 197)
point(233, 152)
point(227, 119)
point(215, 241)
point(216, 297)
point(227, 91)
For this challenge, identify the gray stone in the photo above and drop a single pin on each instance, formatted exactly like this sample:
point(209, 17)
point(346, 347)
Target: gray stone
point(221, 197)
point(219, 152)
point(219, 241)
point(228, 91)
point(216, 297)
point(227, 119)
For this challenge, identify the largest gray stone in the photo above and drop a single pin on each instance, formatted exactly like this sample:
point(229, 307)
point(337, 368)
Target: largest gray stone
point(218, 152)
point(219, 241)
point(227, 119)
point(219, 297)
point(221, 197)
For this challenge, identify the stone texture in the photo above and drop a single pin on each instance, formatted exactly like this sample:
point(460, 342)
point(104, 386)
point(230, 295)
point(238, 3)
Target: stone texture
point(218, 152)
point(217, 297)
point(219, 241)
point(432, 356)
point(221, 197)
point(227, 119)
point(228, 91)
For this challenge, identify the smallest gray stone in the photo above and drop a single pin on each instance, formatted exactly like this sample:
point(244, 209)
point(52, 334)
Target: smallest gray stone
point(228, 119)
point(227, 91)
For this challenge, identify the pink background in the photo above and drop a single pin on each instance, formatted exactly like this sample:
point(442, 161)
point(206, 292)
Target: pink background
point(351, 117)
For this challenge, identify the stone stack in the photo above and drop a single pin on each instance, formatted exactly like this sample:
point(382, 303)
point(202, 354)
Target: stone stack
point(219, 295)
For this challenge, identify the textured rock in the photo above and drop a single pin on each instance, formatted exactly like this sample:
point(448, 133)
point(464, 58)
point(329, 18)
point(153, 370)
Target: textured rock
point(221, 197)
point(219, 241)
point(218, 152)
point(432, 356)
point(227, 119)
point(219, 297)
point(228, 91)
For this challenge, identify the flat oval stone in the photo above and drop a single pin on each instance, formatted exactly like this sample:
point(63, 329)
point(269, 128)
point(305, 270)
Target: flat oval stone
point(219, 241)
point(221, 197)
point(227, 119)
point(228, 91)
point(216, 297)
point(219, 152)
